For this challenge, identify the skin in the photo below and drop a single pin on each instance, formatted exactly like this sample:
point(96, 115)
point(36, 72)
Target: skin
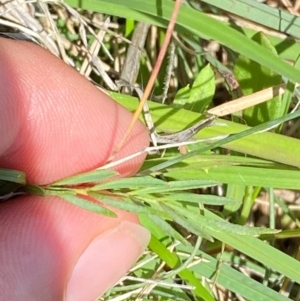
point(54, 124)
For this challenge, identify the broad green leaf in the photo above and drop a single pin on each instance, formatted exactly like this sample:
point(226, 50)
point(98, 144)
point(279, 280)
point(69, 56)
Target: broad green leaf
point(202, 91)
point(182, 97)
point(253, 77)
point(93, 176)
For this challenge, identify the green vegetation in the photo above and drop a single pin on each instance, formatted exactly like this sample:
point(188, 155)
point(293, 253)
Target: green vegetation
point(213, 212)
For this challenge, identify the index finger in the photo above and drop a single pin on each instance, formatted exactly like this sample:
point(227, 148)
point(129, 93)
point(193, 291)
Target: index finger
point(55, 123)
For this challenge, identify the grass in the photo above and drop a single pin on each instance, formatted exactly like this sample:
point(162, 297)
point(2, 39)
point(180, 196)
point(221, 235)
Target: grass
point(222, 227)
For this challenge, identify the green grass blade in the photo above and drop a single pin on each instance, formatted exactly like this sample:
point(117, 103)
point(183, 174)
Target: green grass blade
point(83, 203)
point(259, 251)
point(132, 183)
point(11, 175)
point(198, 199)
point(270, 146)
point(253, 77)
point(234, 280)
point(192, 21)
point(167, 228)
point(224, 141)
point(175, 186)
point(173, 261)
point(240, 175)
point(88, 177)
point(260, 13)
point(126, 204)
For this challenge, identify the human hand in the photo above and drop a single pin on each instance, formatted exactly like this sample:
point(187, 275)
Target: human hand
point(54, 124)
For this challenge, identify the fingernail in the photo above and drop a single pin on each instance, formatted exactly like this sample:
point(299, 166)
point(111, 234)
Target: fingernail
point(106, 260)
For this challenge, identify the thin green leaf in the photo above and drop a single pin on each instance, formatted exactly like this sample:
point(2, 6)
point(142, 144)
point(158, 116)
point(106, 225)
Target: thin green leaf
point(174, 186)
point(132, 183)
point(258, 250)
point(126, 204)
point(183, 221)
point(86, 204)
point(34, 189)
point(279, 177)
point(235, 137)
point(198, 198)
point(233, 280)
point(11, 175)
point(88, 177)
point(219, 226)
point(173, 261)
point(168, 228)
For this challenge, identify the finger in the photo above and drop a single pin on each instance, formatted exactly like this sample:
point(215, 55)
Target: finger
point(54, 122)
point(57, 251)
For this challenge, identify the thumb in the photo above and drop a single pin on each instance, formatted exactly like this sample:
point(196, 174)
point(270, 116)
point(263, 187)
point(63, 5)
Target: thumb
point(57, 251)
